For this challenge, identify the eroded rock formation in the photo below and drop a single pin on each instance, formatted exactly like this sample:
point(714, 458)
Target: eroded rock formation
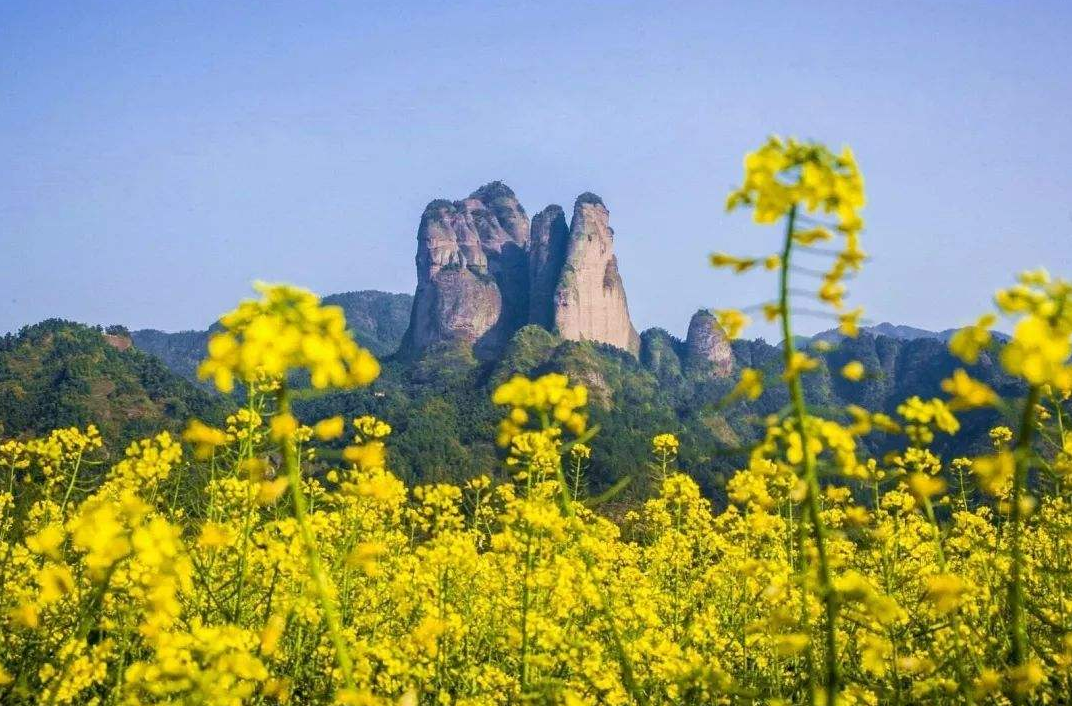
point(590, 302)
point(481, 277)
point(457, 298)
point(706, 345)
point(547, 254)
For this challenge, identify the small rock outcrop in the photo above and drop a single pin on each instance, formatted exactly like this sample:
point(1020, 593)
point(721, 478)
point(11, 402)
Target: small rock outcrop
point(484, 271)
point(706, 345)
point(118, 341)
point(590, 302)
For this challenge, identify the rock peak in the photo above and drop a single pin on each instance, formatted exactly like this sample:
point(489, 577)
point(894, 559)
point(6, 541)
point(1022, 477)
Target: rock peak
point(590, 302)
point(439, 204)
point(472, 272)
point(550, 211)
point(547, 254)
point(589, 197)
point(484, 270)
point(493, 190)
point(706, 347)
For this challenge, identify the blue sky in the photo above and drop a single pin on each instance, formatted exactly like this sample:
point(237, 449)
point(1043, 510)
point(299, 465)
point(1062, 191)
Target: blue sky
point(158, 157)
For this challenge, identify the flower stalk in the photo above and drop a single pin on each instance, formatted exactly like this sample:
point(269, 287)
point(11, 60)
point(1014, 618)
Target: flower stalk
point(831, 675)
point(323, 594)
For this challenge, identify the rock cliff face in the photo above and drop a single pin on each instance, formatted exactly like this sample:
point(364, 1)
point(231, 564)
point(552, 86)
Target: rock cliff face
point(706, 346)
point(472, 271)
point(484, 271)
point(547, 254)
point(503, 229)
point(590, 301)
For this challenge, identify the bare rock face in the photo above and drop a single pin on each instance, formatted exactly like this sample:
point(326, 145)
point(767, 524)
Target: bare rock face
point(503, 228)
point(706, 345)
point(590, 301)
point(447, 238)
point(547, 254)
point(506, 221)
point(484, 271)
point(118, 341)
point(472, 272)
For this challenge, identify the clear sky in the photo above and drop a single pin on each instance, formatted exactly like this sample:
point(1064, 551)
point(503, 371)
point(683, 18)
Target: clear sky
point(155, 158)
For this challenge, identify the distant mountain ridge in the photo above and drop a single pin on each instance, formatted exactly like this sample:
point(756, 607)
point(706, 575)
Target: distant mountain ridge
point(499, 293)
point(900, 332)
point(378, 321)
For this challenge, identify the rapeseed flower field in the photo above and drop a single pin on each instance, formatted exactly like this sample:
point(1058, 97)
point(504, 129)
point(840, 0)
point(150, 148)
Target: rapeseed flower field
point(235, 566)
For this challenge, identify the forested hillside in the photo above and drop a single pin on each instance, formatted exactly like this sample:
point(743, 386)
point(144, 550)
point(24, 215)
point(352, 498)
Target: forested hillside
point(59, 373)
point(440, 405)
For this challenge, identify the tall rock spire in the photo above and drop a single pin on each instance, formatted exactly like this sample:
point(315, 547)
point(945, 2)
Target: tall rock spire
point(547, 254)
point(472, 272)
point(503, 228)
point(484, 271)
point(590, 302)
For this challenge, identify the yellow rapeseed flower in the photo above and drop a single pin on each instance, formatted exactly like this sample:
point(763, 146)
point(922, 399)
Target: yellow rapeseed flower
point(330, 428)
point(203, 437)
point(732, 321)
point(750, 385)
point(967, 393)
point(47, 541)
point(853, 370)
point(287, 329)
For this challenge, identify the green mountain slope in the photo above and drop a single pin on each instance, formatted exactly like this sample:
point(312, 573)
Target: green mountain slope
point(59, 373)
point(378, 319)
point(444, 422)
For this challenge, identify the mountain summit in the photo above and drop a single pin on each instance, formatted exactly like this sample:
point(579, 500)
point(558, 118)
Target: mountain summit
point(484, 270)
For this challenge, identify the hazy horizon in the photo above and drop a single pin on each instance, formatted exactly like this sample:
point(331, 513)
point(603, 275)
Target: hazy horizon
point(161, 157)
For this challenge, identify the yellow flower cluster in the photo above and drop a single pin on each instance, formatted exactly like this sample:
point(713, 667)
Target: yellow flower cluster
point(287, 329)
point(49, 458)
point(148, 461)
point(546, 400)
point(583, 451)
point(1041, 344)
point(370, 428)
point(783, 173)
point(749, 385)
point(921, 416)
point(733, 322)
point(853, 370)
point(665, 444)
point(789, 179)
point(968, 393)
point(1042, 338)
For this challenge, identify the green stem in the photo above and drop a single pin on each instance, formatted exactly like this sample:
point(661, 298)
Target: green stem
point(70, 486)
point(577, 468)
point(523, 676)
point(962, 678)
point(796, 390)
point(327, 604)
point(237, 612)
point(1018, 654)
